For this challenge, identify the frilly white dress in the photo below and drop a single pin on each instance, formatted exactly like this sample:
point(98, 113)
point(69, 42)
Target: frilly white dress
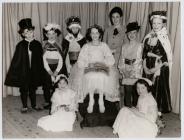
point(84, 83)
point(60, 119)
point(138, 122)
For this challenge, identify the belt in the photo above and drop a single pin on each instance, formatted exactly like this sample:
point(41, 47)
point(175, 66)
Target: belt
point(129, 61)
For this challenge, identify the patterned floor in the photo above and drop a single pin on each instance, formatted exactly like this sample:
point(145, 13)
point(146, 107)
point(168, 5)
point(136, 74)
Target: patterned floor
point(17, 125)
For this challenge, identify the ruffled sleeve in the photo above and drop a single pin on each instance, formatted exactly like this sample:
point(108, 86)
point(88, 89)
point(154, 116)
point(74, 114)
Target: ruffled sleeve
point(108, 57)
point(83, 57)
point(46, 65)
point(74, 105)
point(60, 62)
point(56, 101)
point(138, 63)
point(152, 111)
point(121, 64)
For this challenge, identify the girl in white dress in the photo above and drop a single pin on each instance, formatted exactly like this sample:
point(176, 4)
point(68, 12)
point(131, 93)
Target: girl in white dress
point(95, 71)
point(63, 108)
point(138, 122)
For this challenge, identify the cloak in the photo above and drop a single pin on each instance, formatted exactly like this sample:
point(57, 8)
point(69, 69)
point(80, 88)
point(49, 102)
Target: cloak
point(21, 72)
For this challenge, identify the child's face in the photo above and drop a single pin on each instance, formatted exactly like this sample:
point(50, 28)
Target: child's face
point(75, 30)
point(95, 35)
point(28, 34)
point(141, 89)
point(157, 24)
point(62, 84)
point(116, 18)
point(132, 35)
point(52, 35)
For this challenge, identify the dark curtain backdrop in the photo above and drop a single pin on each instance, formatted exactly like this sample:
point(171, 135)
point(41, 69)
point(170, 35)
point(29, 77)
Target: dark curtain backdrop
point(90, 13)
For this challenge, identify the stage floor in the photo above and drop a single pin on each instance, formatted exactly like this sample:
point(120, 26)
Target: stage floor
point(17, 125)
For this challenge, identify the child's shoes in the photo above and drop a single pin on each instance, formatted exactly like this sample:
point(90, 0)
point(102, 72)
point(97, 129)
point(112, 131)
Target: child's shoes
point(47, 106)
point(24, 110)
point(36, 108)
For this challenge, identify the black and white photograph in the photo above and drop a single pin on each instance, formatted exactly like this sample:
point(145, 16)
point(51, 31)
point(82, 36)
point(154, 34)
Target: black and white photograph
point(91, 69)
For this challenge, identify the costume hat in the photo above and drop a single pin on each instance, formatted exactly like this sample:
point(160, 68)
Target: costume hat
point(159, 14)
point(132, 26)
point(25, 23)
point(73, 21)
point(52, 26)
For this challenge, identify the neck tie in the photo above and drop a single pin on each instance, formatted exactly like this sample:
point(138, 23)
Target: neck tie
point(115, 31)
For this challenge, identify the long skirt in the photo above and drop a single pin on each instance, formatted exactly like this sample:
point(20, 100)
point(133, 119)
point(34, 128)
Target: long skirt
point(130, 123)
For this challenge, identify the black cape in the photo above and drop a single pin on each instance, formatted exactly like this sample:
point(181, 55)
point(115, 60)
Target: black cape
point(20, 72)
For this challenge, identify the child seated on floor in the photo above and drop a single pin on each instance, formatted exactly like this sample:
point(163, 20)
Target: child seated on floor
point(63, 108)
point(139, 122)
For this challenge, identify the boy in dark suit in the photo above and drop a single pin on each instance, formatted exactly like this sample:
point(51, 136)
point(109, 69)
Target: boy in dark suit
point(26, 67)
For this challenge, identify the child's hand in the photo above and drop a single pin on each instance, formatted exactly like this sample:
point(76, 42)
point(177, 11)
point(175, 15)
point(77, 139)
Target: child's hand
point(165, 64)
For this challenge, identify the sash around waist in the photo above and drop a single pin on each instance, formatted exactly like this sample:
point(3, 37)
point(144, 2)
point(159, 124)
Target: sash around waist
point(52, 61)
point(73, 55)
point(129, 61)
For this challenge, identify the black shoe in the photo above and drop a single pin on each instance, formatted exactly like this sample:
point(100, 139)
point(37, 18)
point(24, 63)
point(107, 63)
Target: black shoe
point(82, 125)
point(24, 110)
point(36, 108)
point(47, 106)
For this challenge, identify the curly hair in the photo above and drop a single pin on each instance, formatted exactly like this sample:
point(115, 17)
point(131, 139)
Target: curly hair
point(88, 33)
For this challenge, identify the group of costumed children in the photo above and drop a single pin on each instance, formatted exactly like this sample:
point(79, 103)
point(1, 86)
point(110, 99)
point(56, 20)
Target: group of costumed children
point(86, 65)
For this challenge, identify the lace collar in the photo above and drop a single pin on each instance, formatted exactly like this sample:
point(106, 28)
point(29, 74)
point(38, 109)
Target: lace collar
point(70, 37)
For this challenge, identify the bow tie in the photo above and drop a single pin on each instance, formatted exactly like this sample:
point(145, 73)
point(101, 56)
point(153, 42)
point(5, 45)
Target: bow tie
point(115, 31)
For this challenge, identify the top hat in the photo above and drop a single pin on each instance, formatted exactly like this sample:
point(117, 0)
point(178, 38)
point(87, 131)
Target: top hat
point(73, 21)
point(159, 14)
point(132, 26)
point(25, 23)
point(116, 10)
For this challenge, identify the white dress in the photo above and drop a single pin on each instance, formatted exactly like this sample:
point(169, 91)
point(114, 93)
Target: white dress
point(60, 120)
point(138, 122)
point(83, 83)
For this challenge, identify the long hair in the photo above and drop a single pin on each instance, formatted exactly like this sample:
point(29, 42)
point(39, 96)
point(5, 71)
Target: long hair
point(88, 33)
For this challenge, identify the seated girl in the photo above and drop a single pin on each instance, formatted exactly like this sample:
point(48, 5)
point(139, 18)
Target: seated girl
point(95, 71)
point(63, 108)
point(139, 121)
